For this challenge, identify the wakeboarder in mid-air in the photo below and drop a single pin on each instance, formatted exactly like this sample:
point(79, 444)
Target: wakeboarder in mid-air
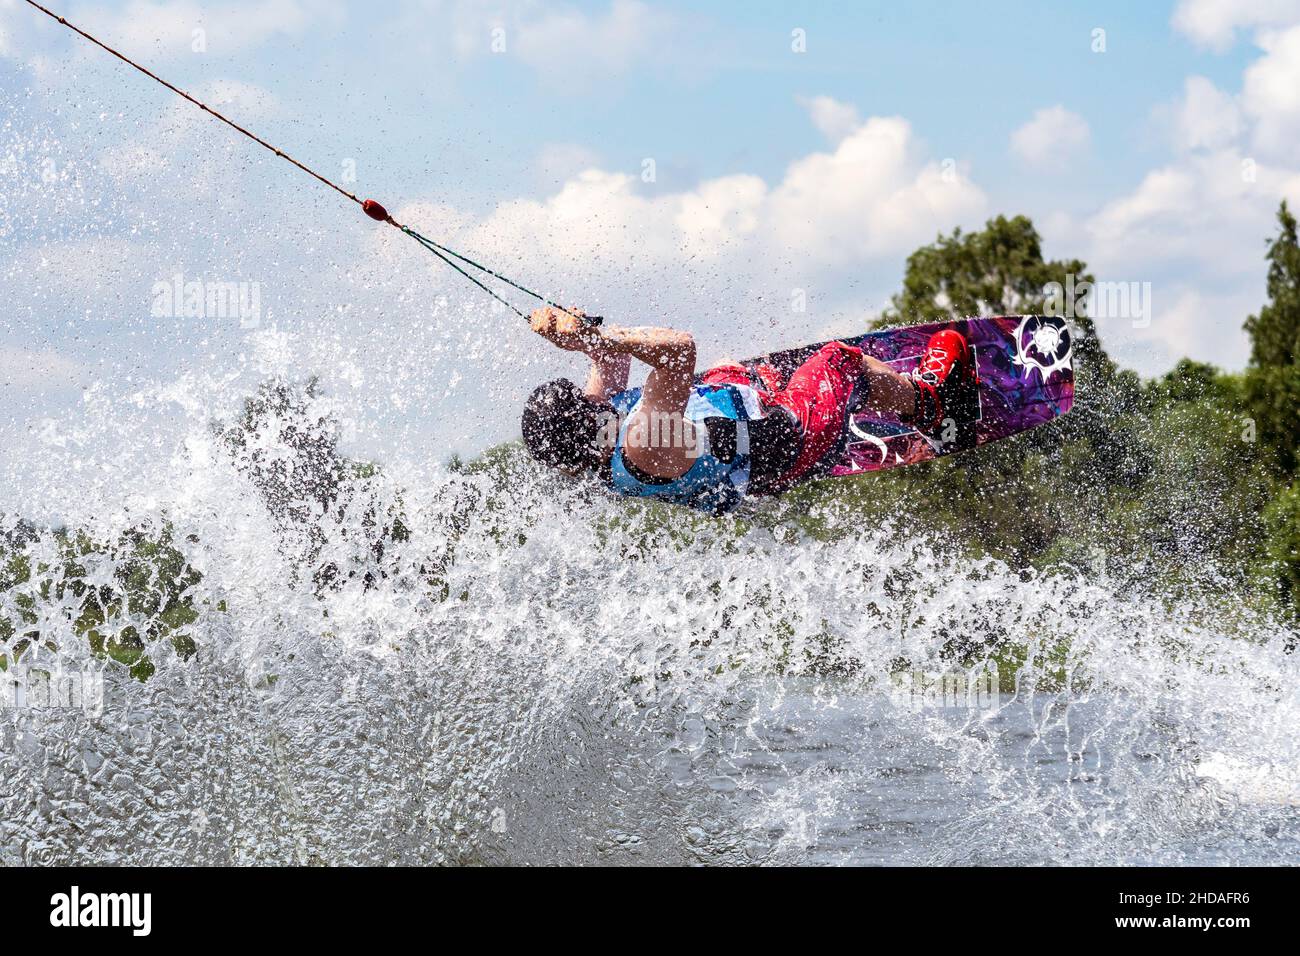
point(736, 431)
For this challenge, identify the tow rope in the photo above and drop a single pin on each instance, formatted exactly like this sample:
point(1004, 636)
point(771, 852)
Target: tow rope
point(370, 207)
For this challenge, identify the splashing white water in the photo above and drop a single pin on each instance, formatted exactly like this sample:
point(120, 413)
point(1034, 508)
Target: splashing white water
point(534, 673)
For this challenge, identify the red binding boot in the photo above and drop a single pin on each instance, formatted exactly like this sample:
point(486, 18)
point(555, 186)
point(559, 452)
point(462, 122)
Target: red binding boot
point(945, 380)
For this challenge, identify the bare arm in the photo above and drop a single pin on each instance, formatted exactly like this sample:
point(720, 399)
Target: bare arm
point(608, 375)
point(669, 353)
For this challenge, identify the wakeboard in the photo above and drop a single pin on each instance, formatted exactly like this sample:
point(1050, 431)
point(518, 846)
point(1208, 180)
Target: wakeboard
point(1026, 379)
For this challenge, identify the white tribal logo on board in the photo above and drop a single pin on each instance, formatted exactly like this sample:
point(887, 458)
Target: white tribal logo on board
point(1042, 343)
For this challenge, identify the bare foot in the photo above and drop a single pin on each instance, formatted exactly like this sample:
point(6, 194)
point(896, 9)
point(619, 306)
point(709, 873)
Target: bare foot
point(887, 390)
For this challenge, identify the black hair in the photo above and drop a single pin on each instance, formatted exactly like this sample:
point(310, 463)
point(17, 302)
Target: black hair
point(562, 426)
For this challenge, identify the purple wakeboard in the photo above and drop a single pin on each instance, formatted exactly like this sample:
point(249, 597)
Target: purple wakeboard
point(1025, 379)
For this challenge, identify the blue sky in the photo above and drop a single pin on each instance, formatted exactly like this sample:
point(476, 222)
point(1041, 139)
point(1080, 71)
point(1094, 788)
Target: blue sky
point(775, 171)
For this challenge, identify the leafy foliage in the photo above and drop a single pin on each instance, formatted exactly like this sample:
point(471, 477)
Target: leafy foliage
point(120, 596)
point(286, 443)
point(1272, 384)
point(1163, 479)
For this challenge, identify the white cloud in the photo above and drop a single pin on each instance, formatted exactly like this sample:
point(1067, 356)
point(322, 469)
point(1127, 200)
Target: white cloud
point(1050, 137)
point(1198, 223)
point(594, 46)
point(92, 284)
point(835, 120)
point(718, 214)
point(1214, 23)
point(15, 26)
point(1271, 92)
point(130, 160)
point(81, 269)
point(723, 257)
point(1207, 325)
point(872, 196)
point(1195, 227)
point(1195, 230)
point(1201, 209)
point(1206, 117)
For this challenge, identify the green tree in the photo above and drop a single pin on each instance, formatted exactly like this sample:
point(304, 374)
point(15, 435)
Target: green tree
point(999, 270)
point(287, 443)
point(1271, 397)
point(120, 595)
point(1191, 381)
point(1282, 561)
point(1272, 386)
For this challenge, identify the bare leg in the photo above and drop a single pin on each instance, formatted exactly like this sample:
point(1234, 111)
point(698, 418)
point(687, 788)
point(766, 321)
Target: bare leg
point(887, 390)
